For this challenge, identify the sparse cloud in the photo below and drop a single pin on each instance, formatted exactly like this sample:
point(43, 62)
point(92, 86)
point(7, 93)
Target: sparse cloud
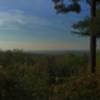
point(17, 21)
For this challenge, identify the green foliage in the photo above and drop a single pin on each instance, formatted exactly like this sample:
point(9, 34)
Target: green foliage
point(28, 76)
point(23, 77)
point(82, 27)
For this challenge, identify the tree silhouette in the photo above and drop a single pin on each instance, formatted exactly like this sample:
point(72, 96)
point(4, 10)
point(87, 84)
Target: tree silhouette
point(82, 26)
point(61, 7)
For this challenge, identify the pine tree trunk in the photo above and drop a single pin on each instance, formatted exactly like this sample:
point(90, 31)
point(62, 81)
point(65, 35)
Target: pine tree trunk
point(93, 38)
point(93, 54)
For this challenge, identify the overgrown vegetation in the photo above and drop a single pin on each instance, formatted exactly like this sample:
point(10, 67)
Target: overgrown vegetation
point(28, 76)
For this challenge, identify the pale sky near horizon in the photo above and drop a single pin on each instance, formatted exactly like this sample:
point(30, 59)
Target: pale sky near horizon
point(34, 25)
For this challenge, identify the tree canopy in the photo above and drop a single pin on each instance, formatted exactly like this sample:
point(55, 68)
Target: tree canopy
point(74, 6)
point(82, 27)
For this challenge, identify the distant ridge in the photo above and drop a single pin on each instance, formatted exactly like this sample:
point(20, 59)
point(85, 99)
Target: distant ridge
point(57, 52)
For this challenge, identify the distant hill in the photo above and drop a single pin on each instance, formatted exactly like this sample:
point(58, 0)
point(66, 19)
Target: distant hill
point(58, 52)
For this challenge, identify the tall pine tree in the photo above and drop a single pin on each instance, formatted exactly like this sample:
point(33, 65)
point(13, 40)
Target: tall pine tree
point(61, 7)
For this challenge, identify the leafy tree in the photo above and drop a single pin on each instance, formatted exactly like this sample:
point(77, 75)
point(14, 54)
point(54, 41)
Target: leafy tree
point(61, 7)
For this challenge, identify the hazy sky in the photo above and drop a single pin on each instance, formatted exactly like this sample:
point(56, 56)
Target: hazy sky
point(34, 25)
